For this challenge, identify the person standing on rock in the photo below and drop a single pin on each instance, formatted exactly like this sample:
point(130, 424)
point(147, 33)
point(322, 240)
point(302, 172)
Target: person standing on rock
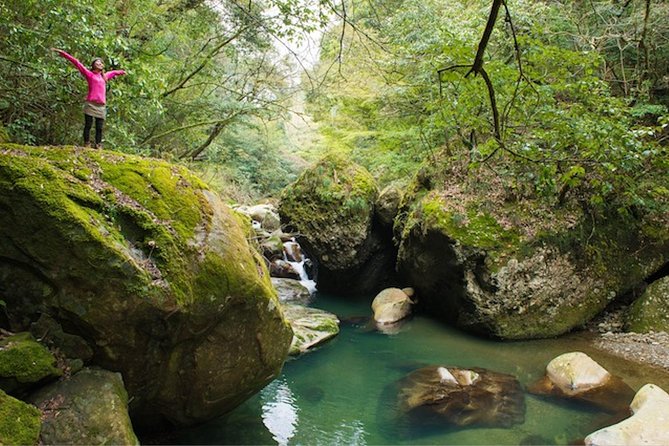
point(95, 105)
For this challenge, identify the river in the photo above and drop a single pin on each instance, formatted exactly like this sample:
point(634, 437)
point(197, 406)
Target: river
point(342, 392)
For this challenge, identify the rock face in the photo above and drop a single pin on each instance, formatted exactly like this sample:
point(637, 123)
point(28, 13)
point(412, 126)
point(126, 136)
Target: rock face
point(651, 311)
point(91, 407)
point(391, 305)
point(149, 267)
point(494, 265)
point(577, 376)
point(332, 206)
point(462, 397)
point(649, 424)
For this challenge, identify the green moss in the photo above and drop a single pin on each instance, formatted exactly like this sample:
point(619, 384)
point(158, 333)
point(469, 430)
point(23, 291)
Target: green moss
point(650, 312)
point(334, 186)
point(24, 359)
point(19, 422)
point(474, 228)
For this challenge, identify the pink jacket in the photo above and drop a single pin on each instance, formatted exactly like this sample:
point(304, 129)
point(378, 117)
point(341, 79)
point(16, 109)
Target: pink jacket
point(96, 81)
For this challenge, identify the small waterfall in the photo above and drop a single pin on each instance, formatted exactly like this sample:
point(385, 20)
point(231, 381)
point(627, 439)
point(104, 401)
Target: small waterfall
point(292, 253)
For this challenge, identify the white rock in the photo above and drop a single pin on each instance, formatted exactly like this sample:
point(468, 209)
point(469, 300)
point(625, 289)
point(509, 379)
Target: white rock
point(391, 305)
point(445, 376)
point(649, 424)
point(576, 372)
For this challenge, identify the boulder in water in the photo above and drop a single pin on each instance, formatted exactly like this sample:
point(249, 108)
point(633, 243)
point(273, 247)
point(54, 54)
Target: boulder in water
point(577, 376)
point(461, 397)
point(281, 268)
point(649, 424)
point(311, 327)
point(650, 312)
point(291, 290)
point(391, 305)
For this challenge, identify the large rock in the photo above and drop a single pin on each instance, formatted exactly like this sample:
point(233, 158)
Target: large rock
point(577, 376)
point(91, 407)
point(517, 270)
point(650, 312)
point(147, 265)
point(19, 422)
point(331, 206)
point(649, 424)
point(461, 397)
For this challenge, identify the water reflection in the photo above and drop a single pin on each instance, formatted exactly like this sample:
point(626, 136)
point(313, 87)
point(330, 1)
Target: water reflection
point(279, 411)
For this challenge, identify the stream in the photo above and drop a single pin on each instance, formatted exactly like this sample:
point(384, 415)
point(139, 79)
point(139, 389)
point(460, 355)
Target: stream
point(343, 393)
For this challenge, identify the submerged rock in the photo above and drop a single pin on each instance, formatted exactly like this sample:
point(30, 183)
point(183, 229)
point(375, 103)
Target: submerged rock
point(149, 267)
point(331, 206)
point(461, 397)
point(90, 407)
point(577, 376)
point(649, 424)
point(311, 327)
point(19, 422)
point(391, 305)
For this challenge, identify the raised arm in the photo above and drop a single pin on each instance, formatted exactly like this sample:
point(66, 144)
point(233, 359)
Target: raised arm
point(113, 74)
point(82, 69)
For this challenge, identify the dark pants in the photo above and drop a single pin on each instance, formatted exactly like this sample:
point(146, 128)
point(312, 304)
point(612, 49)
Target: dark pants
point(88, 122)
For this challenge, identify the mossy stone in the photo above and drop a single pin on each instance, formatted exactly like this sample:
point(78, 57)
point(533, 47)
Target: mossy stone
point(650, 312)
point(24, 361)
point(19, 422)
point(91, 407)
point(140, 259)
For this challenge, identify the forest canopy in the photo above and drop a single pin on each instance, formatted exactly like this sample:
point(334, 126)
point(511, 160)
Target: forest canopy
point(581, 89)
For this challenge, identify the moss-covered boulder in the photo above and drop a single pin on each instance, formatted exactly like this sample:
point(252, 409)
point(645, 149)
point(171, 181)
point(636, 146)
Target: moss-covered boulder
point(90, 407)
point(19, 422)
point(141, 260)
point(650, 312)
point(331, 206)
point(24, 362)
point(491, 263)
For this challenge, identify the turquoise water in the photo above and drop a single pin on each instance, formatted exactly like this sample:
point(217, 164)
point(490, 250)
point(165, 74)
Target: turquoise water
point(343, 393)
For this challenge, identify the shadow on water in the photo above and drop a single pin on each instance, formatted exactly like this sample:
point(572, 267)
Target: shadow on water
point(345, 392)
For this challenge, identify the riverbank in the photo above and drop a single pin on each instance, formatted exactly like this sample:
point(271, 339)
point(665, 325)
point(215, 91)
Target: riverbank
point(645, 348)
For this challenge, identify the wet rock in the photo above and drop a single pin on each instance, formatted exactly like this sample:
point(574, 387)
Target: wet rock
point(311, 327)
point(91, 407)
point(461, 397)
point(577, 376)
point(291, 290)
point(272, 247)
point(649, 424)
point(283, 269)
point(391, 305)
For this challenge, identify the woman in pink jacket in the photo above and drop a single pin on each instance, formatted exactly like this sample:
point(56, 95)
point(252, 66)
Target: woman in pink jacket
point(94, 107)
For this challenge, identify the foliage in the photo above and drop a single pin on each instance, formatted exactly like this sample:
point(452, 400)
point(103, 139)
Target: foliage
point(569, 132)
point(199, 73)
